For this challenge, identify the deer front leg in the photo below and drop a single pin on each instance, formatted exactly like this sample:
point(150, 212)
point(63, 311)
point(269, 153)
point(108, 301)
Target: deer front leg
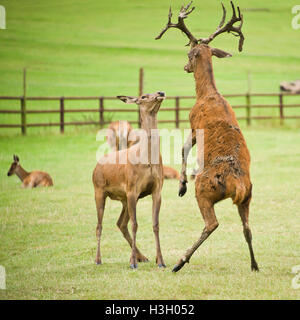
point(190, 142)
point(131, 201)
point(156, 198)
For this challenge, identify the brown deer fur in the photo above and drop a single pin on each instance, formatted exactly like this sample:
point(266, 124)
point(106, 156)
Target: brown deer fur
point(29, 179)
point(129, 182)
point(117, 138)
point(226, 156)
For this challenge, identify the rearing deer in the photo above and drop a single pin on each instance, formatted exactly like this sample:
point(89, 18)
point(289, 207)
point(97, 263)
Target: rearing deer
point(226, 156)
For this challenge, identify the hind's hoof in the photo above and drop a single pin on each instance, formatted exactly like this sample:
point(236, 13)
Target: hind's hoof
point(133, 266)
point(162, 265)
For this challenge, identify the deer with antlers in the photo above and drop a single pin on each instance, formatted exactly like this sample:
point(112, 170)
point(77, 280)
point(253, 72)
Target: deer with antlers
point(130, 180)
point(226, 165)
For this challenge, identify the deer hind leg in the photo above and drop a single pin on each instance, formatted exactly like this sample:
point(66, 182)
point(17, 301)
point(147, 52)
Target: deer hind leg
point(123, 226)
point(244, 214)
point(100, 205)
point(156, 198)
point(211, 223)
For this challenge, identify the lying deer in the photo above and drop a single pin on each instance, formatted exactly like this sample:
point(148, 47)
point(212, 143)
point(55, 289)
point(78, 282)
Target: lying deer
point(130, 182)
point(29, 179)
point(170, 173)
point(117, 138)
point(226, 156)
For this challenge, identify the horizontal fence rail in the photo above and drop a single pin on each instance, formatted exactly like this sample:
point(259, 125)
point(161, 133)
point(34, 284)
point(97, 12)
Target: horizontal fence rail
point(101, 110)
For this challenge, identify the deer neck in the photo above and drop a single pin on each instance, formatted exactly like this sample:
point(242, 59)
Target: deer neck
point(204, 77)
point(148, 123)
point(21, 173)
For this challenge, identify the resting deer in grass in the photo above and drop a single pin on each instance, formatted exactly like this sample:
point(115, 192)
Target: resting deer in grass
point(29, 179)
point(170, 173)
point(117, 138)
point(130, 181)
point(226, 157)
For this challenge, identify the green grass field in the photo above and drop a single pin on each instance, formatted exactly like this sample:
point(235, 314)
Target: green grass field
point(48, 243)
point(95, 48)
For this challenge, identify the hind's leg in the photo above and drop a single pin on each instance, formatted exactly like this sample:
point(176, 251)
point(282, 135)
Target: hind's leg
point(123, 226)
point(100, 204)
point(244, 214)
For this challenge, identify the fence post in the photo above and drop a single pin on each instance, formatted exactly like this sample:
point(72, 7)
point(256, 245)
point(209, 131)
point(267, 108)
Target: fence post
point(177, 112)
point(248, 106)
point(281, 108)
point(141, 89)
point(101, 111)
point(62, 115)
point(23, 115)
point(23, 104)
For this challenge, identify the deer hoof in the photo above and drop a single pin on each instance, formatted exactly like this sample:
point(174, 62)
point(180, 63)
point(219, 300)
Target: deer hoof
point(176, 268)
point(254, 267)
point(179, 266)
point(162, 265)
point(182, 189)
point(133, 266)
point(98, 263)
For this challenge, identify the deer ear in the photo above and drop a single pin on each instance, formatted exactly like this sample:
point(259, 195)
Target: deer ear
point(220, 53)
point(127, 99)
point(16, 158)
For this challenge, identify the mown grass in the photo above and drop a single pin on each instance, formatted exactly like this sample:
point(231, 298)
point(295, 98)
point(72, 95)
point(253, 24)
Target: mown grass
point(95, 48)
point(47, 236)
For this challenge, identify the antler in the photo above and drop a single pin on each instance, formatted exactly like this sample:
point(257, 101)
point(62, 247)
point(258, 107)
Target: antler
point(236, 31)
point(184, 12)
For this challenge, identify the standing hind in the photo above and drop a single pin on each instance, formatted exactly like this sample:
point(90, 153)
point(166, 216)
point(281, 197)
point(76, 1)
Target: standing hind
point(130, 181)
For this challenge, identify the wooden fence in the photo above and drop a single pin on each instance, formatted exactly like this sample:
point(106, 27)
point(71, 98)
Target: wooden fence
point(102, 109)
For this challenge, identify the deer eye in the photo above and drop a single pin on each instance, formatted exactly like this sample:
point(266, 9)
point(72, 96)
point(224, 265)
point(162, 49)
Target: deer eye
point(144, 97)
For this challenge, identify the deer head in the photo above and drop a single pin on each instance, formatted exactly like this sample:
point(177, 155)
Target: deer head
point(199, 47)
point(13, 166)
point(148, 103)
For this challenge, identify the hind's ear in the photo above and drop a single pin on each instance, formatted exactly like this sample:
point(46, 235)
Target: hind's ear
point(16, 158)
point(220, 53)
point(127, 99)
